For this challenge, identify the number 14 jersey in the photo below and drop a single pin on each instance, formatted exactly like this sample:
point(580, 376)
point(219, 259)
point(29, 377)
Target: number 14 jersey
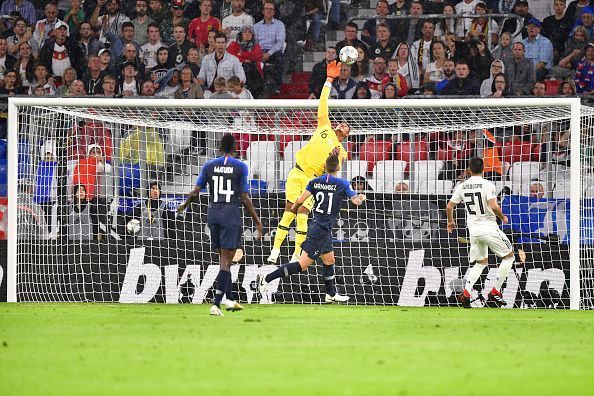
point(475, 192)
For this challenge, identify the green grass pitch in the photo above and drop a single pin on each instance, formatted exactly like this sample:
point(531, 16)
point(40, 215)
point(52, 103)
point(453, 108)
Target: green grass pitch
point(109, 349)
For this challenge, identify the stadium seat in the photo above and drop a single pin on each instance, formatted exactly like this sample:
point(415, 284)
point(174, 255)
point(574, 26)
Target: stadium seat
point(129, 179)
point(291, 149)
point(258, 186)
point(3, 148)
point(521, 174)
point(412, 151)
point(261, 151)
point(387, 172)
point(356, 168)
point(3, 178)
point(516, 152)
point(262, 170)
point(374, 151)
point(435, 187)
point(45, 182)
point(426, 170)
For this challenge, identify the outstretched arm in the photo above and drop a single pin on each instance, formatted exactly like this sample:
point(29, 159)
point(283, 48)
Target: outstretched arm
point(358, 199)
point(497, 210)
point(450, 214)
point(332, 71)
point(191, 198)
point(299, 201)
point(249, 206)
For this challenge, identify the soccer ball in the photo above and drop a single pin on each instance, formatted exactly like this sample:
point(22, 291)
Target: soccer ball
point(348, 55)
point(133, 226)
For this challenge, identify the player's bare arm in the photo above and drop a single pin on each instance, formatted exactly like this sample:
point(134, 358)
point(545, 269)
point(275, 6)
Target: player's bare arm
point(450, 213)
point(299, 201)
point(497, 210)
point(192, 196)
point(249, 206)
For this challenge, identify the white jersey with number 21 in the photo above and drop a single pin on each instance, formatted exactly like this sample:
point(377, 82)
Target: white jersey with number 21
point(475, 192)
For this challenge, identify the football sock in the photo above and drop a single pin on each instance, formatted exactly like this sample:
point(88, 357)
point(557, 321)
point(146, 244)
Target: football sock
point(283, 271)
point(229, 292)
point(502, 272)
point(223, 281)
point(301, 231)
point(329, 279)
point(474, 273)
point(283, 229)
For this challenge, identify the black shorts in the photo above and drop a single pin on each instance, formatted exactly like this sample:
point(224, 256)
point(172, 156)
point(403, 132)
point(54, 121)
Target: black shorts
point(318, 241)
point(225, 236)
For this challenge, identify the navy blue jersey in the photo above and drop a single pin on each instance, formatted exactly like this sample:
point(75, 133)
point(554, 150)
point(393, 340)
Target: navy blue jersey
point(328, 192)
point(226, 178)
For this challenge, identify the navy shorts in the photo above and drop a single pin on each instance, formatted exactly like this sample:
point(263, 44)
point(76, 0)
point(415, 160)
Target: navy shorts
point(318, 242)
point(225, 227)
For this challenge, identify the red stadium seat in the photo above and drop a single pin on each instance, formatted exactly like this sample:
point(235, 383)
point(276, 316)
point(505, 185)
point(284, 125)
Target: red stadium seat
point(552, 86)
point(536, 152)
point(374, 151)
point(405, 151)
point(516, 152)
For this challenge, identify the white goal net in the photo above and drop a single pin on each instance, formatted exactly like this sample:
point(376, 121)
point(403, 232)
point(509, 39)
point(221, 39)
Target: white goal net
point(94, 186)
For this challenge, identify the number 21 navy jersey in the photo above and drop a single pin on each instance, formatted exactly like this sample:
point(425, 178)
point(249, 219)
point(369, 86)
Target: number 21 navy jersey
point(328, 192)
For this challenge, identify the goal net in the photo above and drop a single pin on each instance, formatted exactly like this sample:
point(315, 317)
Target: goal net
point(94, 186)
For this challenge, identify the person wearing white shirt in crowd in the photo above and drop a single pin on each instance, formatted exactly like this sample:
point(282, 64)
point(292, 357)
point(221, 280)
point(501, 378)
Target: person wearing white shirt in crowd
point(220, 63)
point(21, 33)
point(232, 24)
point(149, 50)
point(44, 27)
point(114, 17)
point(374, 82)
point(466, 7)
point(236, 89)
point(420, 52)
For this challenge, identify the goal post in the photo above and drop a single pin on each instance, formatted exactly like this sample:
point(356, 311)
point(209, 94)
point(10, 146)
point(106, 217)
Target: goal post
point(393, 251)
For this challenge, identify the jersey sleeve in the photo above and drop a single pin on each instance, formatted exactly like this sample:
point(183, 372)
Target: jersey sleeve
point(244, 185)
point(310, 186)
point(456, 196)
point(203, 177)
point(490, 191)
point(348, 189)
point(323, 117)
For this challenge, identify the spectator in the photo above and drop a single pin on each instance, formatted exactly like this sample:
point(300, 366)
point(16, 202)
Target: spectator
point(61, 52)
point(77, 89)
point(109, 87)
point(105, 58)
point(222, 10)
point(178, 51)
point(401, 187)
point(43, 79)
point(399, 7)
point(500, 87)
point(44, 28)
point(584, 75)
point(154, 214)
point(12, 84)
point(112, 21)
point(456, 48)
point(540, 89)
point(538, 49)
point(37, 90)
point(360, 69)
point(313, 12)
point(150, 48)
point(479, 59)
point(350, 37)
point(270, 33)
point(25, 8)
point(455, 150)
point(21, 34)
point(170, 86)
point(434, 71)
point(178, 18)
point(188, 89)
point(516, 26)
point(521, 71)
point(420, 49)
point(129, 85)
point(360, 185)
point(574, 9)
point(556, 28)
point(480, 27)
point(407, 67)
point(147, 89)
point(318, 73)
point(141, 22)
point(463, 83)
point(466, 7)
point(93, 77)
point(220, 92)
point(78, 217)
point(25, 64)
point(503, 50)
point(566, 88)
point(390, 91)
point(374, 82)
point(74, 16)
point(368, 34)
point(362, 91)
point(396, 78)
point(249, 53)
point(154, 154)
point(450, 24)
point(162, 65)
point(68, 78)
point(87, 42)
point(344, 86)
point(233, 24)
point(157, 12)
point(429, 89)
point(385, 45)
point(587, 20)
point(130, 55)
point(536, 190)
point(449, 72)
point(410, 30)
point(574, 49)
point(193, 61)
point(118, 42)
point(237, 90)
point(6, 60)
point(497, 67)
point(199, 27)
point(219, 63)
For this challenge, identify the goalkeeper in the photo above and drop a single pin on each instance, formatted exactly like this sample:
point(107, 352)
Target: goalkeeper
point(310, 161)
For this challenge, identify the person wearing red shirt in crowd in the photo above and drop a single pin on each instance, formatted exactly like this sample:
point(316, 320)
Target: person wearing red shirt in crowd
point(249, 54)
point(395, 78)
point(199, 27)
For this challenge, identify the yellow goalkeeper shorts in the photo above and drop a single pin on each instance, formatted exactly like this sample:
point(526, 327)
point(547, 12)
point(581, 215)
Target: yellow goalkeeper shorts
point(296, 183)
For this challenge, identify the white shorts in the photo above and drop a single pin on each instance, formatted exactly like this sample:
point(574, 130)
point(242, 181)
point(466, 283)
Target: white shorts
point(496, 240)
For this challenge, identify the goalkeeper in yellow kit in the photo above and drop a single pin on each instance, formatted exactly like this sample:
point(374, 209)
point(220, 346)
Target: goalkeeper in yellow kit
point(310, 161)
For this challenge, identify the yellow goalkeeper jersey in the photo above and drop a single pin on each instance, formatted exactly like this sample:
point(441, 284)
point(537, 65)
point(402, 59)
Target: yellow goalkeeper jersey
point(312, 157)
